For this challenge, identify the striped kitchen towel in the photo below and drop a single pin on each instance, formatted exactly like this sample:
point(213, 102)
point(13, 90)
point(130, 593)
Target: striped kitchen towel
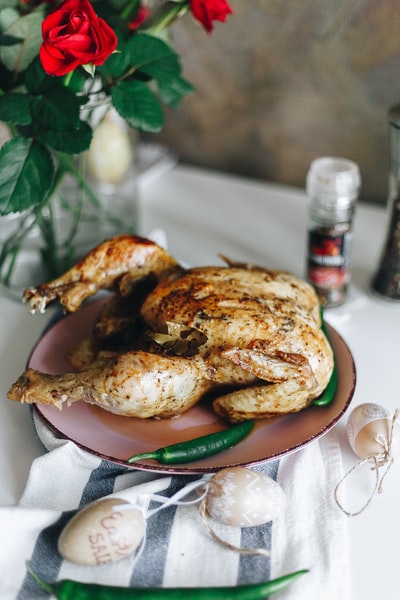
point(178, 550)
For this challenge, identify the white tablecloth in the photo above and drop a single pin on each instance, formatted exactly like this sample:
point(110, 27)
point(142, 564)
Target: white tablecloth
point(205, 214)
point(178, 550)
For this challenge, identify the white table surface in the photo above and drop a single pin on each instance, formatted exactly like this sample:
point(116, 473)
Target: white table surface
point(206, 213)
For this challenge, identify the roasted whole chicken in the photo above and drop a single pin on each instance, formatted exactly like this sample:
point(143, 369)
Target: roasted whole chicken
point(245, 338)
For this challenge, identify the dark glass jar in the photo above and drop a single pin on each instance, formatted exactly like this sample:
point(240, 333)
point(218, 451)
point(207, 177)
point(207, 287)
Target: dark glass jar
point(386, 281)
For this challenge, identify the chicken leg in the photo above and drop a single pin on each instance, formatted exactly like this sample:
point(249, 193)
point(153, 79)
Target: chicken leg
point(132, 384)
point(118, 264)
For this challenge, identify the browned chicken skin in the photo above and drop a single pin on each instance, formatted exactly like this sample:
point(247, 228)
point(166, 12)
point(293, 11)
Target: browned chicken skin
point(117, 383)
point(251, 335)
point(116, 264)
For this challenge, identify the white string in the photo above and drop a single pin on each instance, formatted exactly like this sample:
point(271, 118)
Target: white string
point(164, 501)
point(176, 498)
point(378, 461)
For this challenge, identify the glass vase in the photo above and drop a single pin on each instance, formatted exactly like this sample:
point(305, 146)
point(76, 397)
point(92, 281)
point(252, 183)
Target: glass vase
point(93, 202)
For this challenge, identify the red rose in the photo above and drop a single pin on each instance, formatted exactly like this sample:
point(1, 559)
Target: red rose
point(74, 35)
point(207, 11)
point(142, 14)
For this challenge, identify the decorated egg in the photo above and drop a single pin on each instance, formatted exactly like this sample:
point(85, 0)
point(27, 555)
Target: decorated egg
point(242, 497)
point(110, 155)
point(104, 531)
point(369, 429)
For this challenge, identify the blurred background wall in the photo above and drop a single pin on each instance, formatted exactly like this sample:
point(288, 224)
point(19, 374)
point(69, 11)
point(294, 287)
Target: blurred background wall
point(285, 81)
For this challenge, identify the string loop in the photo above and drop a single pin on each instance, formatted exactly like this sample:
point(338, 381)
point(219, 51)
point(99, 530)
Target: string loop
point(384, 460)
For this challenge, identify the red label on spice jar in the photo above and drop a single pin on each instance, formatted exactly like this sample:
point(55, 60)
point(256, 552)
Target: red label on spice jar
point(328, 259)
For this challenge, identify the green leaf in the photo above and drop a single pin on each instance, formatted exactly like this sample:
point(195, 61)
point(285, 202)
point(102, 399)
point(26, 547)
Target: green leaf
point(7, 81)
point(36, 80)
point(9, 40)
point(56, 111)
point(18, 56)
point(5, 3)
point(7, 15)
point(56, 121)
point(15, 108)
point(26, 175)
point(77, 83)
point(154, 57)
point(137, 104)
point(70, 141)
point(117, 63)
point(172, 92)
point(90, 69)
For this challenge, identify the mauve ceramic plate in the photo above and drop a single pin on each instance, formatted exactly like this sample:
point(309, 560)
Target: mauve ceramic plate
point(116, 438)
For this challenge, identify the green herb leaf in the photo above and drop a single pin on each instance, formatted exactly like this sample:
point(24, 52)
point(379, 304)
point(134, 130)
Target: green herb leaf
point(137, 104)
point(26, 174)
point(179, 339)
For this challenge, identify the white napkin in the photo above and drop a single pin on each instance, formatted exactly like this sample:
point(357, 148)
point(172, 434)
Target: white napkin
point(178, 549)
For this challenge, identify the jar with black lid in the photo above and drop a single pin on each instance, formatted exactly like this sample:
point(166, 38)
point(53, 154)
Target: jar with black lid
point(333, 186)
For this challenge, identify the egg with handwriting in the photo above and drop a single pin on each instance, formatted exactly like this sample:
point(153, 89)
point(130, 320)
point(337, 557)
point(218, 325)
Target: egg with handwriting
point(104, 531)
point(369, 429)
point(242, 497)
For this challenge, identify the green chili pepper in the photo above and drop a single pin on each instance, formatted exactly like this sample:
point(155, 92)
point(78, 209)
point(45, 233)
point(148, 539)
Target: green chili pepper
point(67, 589)
point(198, 448)
point(328, 394)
